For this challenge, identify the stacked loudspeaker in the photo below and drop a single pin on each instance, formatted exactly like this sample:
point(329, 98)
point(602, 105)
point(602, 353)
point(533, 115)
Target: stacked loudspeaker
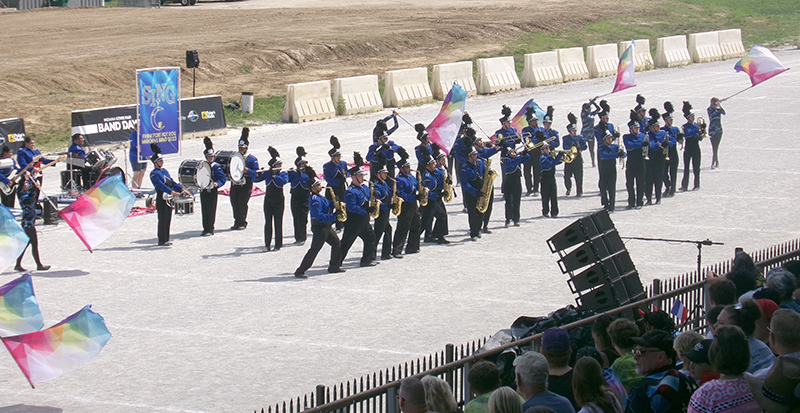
point(600, 269)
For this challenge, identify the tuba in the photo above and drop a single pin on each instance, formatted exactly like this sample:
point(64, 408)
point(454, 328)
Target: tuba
point(374, 203)
point(397, 202)
point(339, 209)
point(422, 190)
point(487, 188)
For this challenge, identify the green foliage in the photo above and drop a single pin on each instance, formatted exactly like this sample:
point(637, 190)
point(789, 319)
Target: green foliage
point(341, 106)
point(265, 110)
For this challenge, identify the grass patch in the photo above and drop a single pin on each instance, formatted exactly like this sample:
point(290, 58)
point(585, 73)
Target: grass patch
point(265, 110)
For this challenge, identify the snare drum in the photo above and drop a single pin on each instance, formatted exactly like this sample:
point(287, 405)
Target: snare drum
point(96, 159)
point(232, 163)
point(194, 173)
point(184, 205)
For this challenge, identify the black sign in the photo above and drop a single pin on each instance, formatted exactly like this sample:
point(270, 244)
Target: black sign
point(12, 133)
point(105, 125)
point(202, 114)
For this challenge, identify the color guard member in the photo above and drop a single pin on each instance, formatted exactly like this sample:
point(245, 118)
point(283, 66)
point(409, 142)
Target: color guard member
point(587, 124)
point(715, 112)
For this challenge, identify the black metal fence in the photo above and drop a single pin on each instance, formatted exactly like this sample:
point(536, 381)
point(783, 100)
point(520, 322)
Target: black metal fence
point(377, 393)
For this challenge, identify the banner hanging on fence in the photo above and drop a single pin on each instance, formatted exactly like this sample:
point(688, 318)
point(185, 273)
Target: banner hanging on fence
point(105, 125)
point(12, 133)
point(158, 110)
point(202, 114)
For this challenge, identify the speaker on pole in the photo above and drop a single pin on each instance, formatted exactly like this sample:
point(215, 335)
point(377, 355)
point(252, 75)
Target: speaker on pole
point(192, 59)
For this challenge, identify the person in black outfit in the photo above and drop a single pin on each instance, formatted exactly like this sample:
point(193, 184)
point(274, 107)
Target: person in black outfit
point(274, 199)
point(384, 194)
point(240, 194)
point(300, 180)
point(658, 140)
point(691, 153)
point(166, 189)
point(356, 201)
point(549, 186)
point(322, 216)
point(208, 196)
point(635, 168)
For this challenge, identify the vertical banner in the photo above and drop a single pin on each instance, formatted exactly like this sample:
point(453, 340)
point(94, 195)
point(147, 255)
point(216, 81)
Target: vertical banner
point(158, 110)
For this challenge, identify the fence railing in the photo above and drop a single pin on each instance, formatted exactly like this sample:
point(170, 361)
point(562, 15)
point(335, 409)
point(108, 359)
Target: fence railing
point(377, 393)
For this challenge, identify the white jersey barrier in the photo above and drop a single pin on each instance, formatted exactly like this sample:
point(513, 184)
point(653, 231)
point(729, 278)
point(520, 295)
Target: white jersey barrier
point(641, 54)
point(730, 41)
point(357, 94)
point(602, 60)
point(407, 87)
point(308, 101)
point(497, 74)
point(672, 51)
point(704, 47)
point(572, 65)
point(541, 69)
point(444, 75)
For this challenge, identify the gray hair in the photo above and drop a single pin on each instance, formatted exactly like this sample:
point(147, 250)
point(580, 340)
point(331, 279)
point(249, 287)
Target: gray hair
point(783, 281)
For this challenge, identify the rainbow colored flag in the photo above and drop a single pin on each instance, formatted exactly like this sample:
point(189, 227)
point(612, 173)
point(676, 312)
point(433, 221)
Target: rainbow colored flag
point(19, 310)
point(626, 70)
point(760, 64)
point(519, 121)
point(99, 211)
point(445, 125)
point(47, 354)
point(13, 239)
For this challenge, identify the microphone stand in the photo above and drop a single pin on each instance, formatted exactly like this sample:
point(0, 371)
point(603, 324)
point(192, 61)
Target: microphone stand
point(699, 245)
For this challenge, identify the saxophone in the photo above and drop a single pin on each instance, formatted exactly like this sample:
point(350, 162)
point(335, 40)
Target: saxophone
point(396, 200)
point(422, 190)
point(447, 194)
point(374, 203)
point(339, 209)
point(487, 188)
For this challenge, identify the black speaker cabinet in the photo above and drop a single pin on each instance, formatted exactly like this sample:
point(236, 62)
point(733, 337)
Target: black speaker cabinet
point(192, 59)
point(579, 231)
point(592, 252)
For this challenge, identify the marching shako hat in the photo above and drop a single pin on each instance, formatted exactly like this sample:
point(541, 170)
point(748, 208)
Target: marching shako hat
point(634, 120)
point(156, 153)
point(606, 109)
point(209, 151)
point(573, 122)
point(506, 111)
point(358, 161)
point(275, 161)
point(640, 103)
point(336, 145)
point(437, 151)
point(548, 117)
point(421, 132)
point(244, 140)
point(301, 156)
point(687, 109)
point(403, 154)
point(530, 114)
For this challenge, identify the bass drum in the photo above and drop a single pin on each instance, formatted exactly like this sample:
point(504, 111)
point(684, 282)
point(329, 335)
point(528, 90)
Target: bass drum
point(232, 163)
point(194, 173)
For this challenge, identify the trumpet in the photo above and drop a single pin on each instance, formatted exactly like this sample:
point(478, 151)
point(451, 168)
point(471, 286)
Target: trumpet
point(341, 212)
point(566, 156)
point(422, 190)
point(374, 203)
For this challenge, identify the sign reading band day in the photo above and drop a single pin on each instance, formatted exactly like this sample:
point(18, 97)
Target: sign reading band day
point(158, 110)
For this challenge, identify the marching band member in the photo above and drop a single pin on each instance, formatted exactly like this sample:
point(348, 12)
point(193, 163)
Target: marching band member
point(457, 151)
point(76, 151)
point(7, 200)
point(300, 180)
point(507, 131)
point(28, 193)
point(208, 196)
point(274, 199)
point(641, 113)
point(486, 153)
point(549, 186)
point(635, 167)
point(380, 128)
point(532, 169)
point(548, 132)
point(166, 189)
point(587, 124)
point(574, 168)
point(433, 179)
point(607, 154)
point(604, 125)
point(335, 172)
point(139, 168)
point(382, 145)
point(472, 175)
point(383, 193)
point(715, 113)
point(512, 184)
point(240, 194)
point(322, 216)
point(424, 145)
point(408, 222)
point(691, 153)
point(441, 164)
point(671, 166)
point(658, 140)
point(356, 200)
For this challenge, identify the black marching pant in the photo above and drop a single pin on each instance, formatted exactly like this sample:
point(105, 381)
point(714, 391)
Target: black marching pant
point(273, 217)
point(299, 207)
point(475, 218)
point(240, 196)
point(164, 213)
point(513, 198)
point(321, 234)
point(208, 208)
point(591, 149)
point(383, 229)
point(671, 172)
point(607, 168)
point(488, 214)
point(435, 210)
point(549, 193)
point(634, 182)
point(715, 140)
point(575, 168)
point(357, 226)
point(654, 178)
point(339, 192)
point(691, 155)
point(408, 227)
point(532, 170)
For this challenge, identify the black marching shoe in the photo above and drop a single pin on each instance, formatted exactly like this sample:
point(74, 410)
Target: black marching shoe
point(397, 255)
point(442, 241)
point(298, 274)
point(335, 270)
point(486, 230)
point(42, 267)
point(369, 264)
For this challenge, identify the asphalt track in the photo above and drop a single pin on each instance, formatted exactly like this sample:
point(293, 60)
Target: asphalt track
point(214, 324)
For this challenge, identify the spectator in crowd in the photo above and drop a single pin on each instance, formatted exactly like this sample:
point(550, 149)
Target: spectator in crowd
point(721, 291)
point(591, 390)
point(611, 378)
point(531, 374)
point(662, 389)
point(744, 315)
point(438, 395)
point(540, 409)
point(767, 294)
point(700, 365)
point(711, 319)
point(767, 308)
point(784, 336)
point(744, 274)
point(621, 331)
point(557, 349)
point(505, 400)
point(685, 343)
point(659, 320)
point(777, 392)
point(602, 341)
point(483, 378)
point(794, 268)
point(412, 396)
point(785, 283)
point(729, 354)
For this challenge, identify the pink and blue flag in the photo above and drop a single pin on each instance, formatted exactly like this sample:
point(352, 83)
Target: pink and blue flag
point(99, 211)
point(444, 128)
point(626, 69)
point(519, 121)
point(19, 310)
point(678, 310)
point(12, 238)
point(760, 64)
point(47, 354)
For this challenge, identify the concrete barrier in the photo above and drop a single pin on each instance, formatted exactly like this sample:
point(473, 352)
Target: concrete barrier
point(497, 74)
point(358, 94)
point(541, 69)
point(730, 41)
point(406, 87)
point(672, 51)
point(602, 60)
point(704, 47)
point(572, 65)
point(642, 56)
point(308, 101)
point(444, 75)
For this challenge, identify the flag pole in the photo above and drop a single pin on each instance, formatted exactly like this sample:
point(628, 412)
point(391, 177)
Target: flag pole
point(405, 120)
point(749, 87)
